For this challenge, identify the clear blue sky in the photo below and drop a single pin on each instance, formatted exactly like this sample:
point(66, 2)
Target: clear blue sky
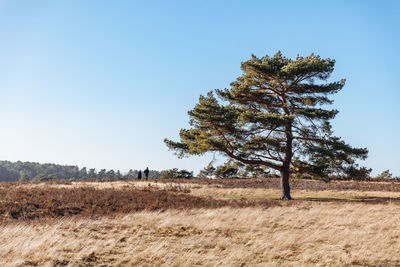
point(102, 83)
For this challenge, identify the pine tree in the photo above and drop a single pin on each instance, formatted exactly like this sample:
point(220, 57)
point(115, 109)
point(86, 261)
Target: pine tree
point(110, 174)
point(92, 173)
point(118, 175)
point(83, 174)
point(207, 172)
point(130, 175)
point(176, 174)
point(229, 169)
point(274, 115)
point(101, 174)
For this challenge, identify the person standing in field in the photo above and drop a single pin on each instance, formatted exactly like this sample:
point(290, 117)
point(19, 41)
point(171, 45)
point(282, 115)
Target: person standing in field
point(139, 176)
point(146, 173)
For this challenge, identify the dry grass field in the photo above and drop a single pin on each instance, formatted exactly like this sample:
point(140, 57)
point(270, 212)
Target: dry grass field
point(199, 222)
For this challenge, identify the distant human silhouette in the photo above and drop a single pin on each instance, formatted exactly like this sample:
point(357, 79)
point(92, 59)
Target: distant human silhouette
point(146, 173)
point(139, 176)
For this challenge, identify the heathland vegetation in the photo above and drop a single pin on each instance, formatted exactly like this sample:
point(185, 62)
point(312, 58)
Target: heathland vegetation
point(186, 222)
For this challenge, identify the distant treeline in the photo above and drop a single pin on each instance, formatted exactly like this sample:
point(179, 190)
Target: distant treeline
point(33, 171)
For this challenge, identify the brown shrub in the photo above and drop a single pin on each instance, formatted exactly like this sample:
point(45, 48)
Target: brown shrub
point(28, 203)
point(301, 184)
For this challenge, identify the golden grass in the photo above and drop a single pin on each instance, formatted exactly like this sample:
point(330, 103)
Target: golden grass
point(219, 192)
point(324, 234)
point(321, 228)
point(106, 185)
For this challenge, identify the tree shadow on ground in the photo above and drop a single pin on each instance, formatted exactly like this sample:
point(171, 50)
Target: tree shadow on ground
point(358, 199)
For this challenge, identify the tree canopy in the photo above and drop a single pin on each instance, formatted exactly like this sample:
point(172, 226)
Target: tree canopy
point(274, 115)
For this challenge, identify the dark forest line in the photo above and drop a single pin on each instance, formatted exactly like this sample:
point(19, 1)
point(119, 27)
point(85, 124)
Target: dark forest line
point(34, 171)
point(38, 172)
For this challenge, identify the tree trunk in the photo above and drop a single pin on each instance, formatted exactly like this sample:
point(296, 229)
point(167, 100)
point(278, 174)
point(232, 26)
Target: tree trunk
point(285, 184)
